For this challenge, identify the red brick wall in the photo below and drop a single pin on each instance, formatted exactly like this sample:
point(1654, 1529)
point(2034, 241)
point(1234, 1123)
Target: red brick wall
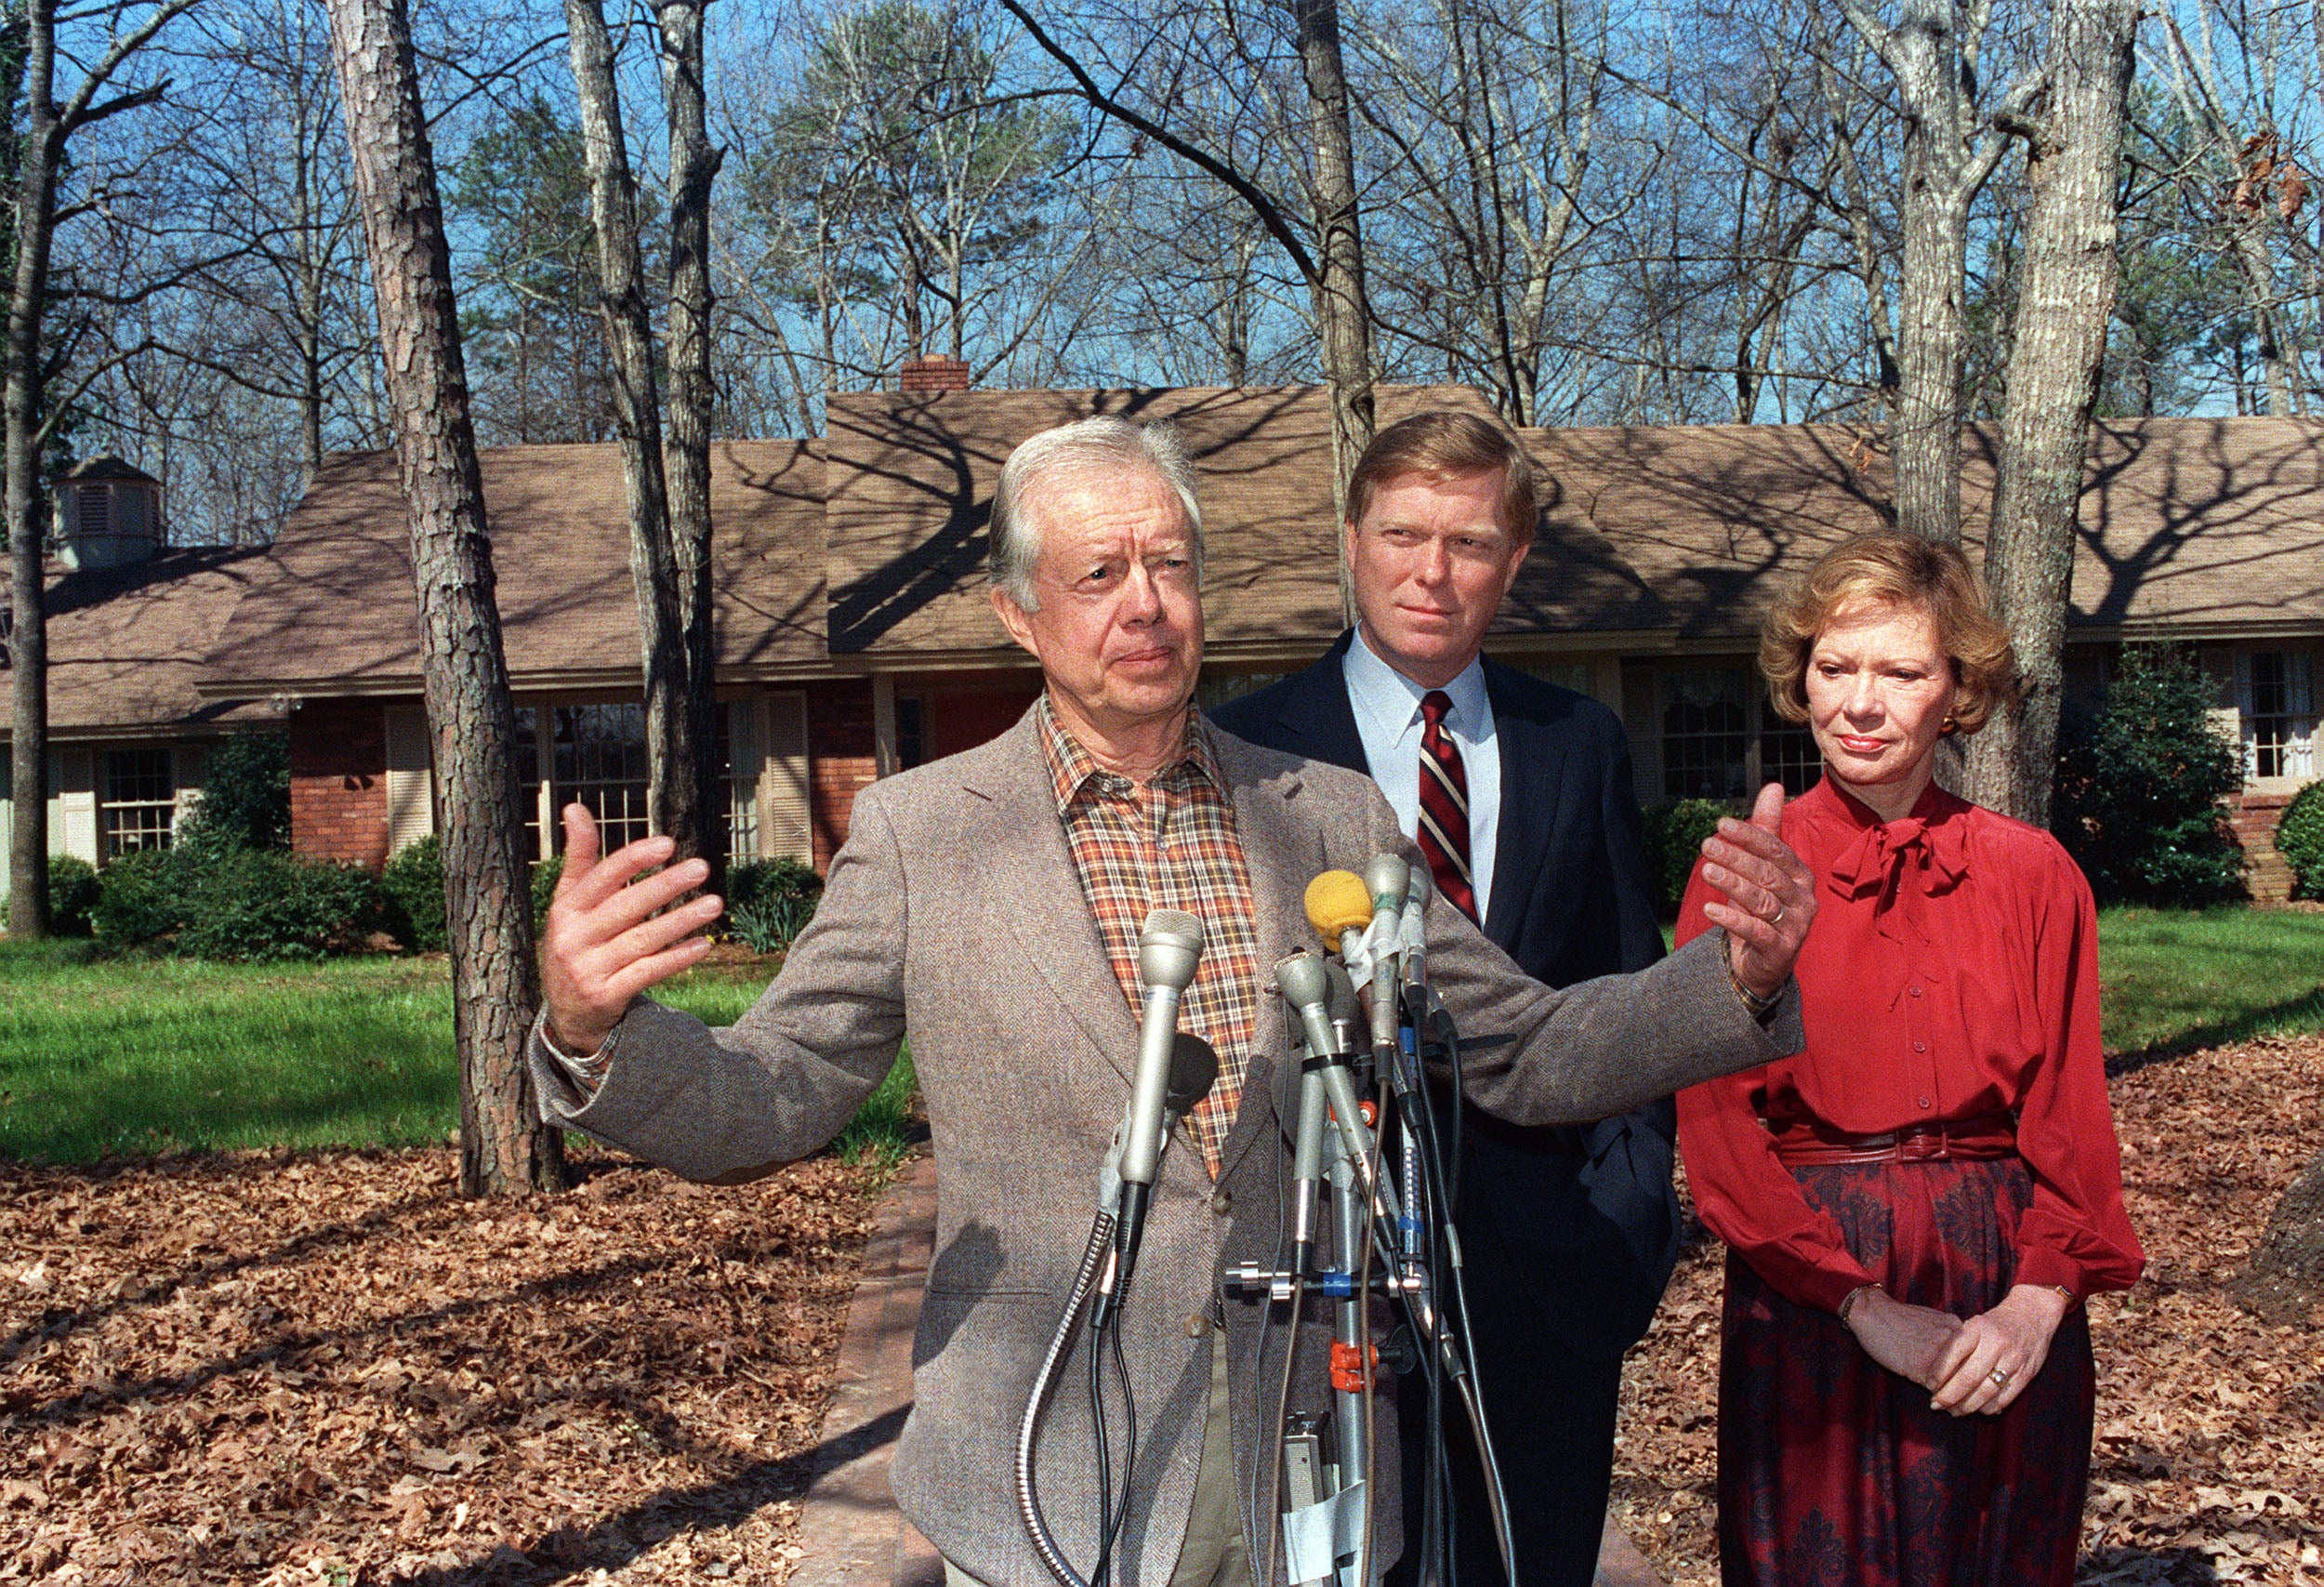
point(2253, 818)
point(933, 373)
point(338, 755)
point(842, 757)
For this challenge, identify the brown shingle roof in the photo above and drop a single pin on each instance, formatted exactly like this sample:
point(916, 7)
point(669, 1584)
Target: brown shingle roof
point(2188, 525)
point(126, 644)
point(332, 603)
point(910, 480)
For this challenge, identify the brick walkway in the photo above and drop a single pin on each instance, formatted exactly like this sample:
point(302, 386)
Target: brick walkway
point(847, 1523)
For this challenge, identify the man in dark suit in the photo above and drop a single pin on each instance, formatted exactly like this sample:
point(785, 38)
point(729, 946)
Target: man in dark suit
point(1518, 793)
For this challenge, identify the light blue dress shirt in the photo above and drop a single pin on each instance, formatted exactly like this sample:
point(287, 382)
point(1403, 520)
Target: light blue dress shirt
point(1387, 706)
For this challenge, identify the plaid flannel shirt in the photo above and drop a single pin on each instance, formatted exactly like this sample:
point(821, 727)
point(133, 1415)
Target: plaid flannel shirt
point(1171, 844)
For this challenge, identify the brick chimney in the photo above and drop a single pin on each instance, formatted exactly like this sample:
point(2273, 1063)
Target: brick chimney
point(934, 372)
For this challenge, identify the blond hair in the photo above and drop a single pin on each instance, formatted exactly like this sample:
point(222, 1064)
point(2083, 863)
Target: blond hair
point(1901, 570)
point(1444, 443)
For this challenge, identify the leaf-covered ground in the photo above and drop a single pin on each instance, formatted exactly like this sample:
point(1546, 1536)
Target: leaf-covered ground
point(322, 1368)
point(2209, 1463)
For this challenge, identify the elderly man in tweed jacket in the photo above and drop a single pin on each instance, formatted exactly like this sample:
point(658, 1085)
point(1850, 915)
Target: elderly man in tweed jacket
point(987, 906)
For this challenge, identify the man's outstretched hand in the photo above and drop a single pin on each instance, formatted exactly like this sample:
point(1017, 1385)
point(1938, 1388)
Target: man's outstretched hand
point(606, 940)
point(1770, 894)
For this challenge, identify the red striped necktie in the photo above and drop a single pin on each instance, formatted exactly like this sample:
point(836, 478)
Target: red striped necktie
point(1444, 835)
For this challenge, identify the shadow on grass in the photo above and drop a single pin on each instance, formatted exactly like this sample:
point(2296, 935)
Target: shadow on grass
point(2305, 1012)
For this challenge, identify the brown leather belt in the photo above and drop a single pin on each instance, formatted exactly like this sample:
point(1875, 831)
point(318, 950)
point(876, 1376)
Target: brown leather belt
point(1981, 1139)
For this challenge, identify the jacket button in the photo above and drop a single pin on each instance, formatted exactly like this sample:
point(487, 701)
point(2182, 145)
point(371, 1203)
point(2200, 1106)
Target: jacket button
point(1222, 1202)
point(1912, 991)
point(1196, 1325)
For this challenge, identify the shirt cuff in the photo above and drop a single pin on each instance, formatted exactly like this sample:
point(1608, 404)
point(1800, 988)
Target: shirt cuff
point(585, 1072)
point(2039, 1264)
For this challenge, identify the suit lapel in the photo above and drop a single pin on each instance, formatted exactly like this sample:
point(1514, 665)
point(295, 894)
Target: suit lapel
point(1034, 890)
point(1315, 712)
point(1282, 855)
point(1532, 763)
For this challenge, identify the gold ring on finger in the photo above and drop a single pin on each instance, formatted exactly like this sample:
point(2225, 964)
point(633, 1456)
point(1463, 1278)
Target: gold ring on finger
point(1777, 919)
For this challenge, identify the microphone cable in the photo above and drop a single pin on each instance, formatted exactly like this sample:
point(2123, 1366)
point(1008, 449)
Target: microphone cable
point(1044, 1384)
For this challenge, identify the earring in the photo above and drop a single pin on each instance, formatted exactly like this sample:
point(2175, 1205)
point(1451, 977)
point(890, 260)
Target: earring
point(1949, 727)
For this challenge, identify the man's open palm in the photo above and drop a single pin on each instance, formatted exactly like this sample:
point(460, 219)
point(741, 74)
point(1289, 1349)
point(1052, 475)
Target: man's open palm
point(607, 939)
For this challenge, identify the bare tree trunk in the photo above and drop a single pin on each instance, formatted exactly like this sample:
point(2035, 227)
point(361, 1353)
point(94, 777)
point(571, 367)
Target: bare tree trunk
point(1342, 318)
point(693, 167)
point(2283, 1282)
point(48, 127)
point(2058, 349)
point(1948, 156)
point(673, 801)
point(43, 148)
point(504, 1146)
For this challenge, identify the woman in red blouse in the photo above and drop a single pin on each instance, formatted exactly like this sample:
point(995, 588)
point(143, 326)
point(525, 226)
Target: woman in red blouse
point(1915, 1206)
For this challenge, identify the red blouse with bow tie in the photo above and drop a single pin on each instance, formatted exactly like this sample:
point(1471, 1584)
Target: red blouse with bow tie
point(1951, 972)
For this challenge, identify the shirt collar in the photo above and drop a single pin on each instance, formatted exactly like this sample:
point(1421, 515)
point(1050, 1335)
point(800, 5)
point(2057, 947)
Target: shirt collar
point(1377, 692)
point(1071, 767)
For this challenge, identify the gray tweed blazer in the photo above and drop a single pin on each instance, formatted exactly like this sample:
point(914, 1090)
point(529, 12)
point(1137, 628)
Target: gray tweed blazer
point(953, 915)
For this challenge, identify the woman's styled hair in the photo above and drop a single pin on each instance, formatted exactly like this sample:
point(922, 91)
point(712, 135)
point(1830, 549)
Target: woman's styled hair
point(1902, 570)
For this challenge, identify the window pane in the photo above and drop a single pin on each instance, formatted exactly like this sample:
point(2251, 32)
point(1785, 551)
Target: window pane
point(140, 808)
point(1706, 716)
point(599, 756)
point(2281, 715)
point(1787, 753)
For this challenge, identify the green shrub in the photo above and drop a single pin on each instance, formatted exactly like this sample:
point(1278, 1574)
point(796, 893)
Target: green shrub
point(238, 904)
point(2139, 785)
point(141, 898)
point(72, 895)
point(2299, 838)
point(1674, 835)
point(245, 796)
point(544, 875)
point(255, 905)
point(770, 902)
point(412, 884)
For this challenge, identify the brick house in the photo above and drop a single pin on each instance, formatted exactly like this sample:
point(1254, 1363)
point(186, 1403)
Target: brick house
point(856, 638)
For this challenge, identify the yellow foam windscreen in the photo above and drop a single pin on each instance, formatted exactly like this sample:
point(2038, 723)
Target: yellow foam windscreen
point(1338, 901)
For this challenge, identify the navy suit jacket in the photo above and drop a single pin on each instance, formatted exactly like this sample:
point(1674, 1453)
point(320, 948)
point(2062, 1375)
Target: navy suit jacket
point(1587, 1211)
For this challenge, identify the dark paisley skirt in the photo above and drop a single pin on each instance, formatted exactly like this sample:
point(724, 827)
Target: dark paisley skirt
point(1833, 1470)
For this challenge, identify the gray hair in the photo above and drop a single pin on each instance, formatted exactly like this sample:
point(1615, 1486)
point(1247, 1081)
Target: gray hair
point(1086, 449)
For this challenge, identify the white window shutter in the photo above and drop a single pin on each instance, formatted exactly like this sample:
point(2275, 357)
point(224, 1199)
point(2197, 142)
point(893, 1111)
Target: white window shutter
point(73, 804)
point(785, 810)
point(746, 761)
point(411, 785)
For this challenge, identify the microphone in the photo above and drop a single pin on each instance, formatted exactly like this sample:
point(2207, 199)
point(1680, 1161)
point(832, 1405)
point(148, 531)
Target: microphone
point(1388, 878)
point(1414, 932)
point(1339, 907)
point(1305, 983)
point(1168, 951)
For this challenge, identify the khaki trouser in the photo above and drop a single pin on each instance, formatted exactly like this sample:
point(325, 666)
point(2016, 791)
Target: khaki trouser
point(1214, 1554)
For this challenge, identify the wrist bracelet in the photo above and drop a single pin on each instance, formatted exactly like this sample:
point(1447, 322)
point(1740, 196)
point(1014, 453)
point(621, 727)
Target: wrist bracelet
point(1848, 1301)
point(2067, 1290)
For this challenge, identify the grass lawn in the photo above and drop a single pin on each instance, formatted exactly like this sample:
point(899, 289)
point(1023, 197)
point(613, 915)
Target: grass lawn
point(139, 1056)
point(2179, 979)
point(144, 1055)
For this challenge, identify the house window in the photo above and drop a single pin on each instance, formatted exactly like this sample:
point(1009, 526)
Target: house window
point(1787, 752)
point(1706, 733)
point(911, 731)
point(2279, 716)
point(599, 759)
point(140, 807)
